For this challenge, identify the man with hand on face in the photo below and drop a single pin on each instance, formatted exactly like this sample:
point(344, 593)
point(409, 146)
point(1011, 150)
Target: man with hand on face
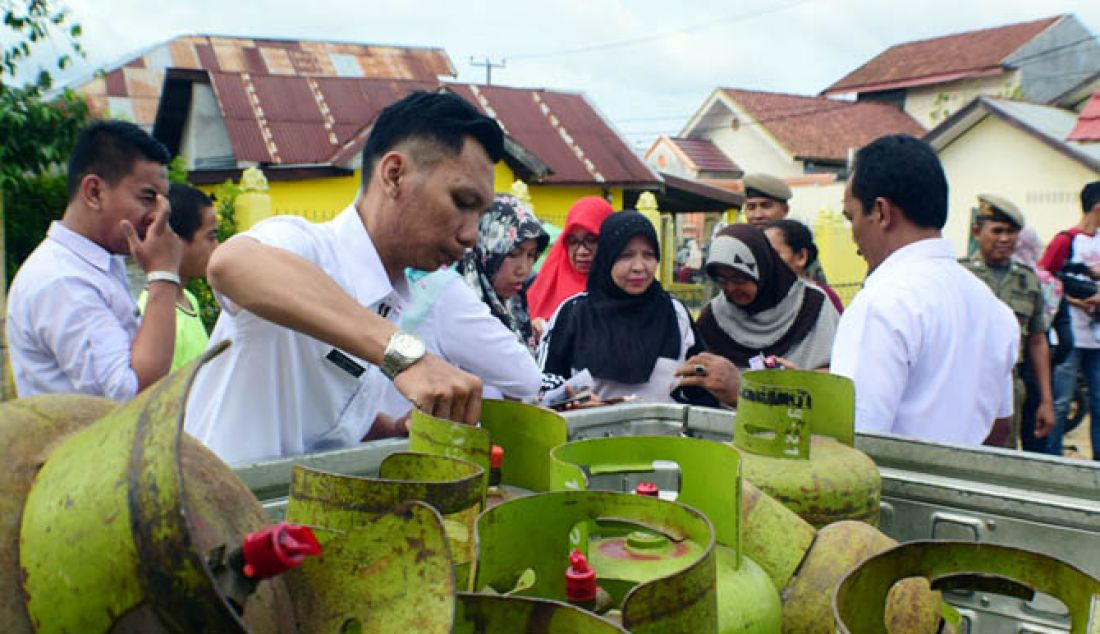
point(310, 308)
point(929, 347)
point(997, 228)
point(72, 323)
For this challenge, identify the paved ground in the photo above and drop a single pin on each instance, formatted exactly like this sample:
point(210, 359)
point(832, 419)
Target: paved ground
point(1076, 443)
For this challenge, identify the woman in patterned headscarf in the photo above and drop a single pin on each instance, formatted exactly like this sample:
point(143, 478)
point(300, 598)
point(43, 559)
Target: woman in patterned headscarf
point(510, 240)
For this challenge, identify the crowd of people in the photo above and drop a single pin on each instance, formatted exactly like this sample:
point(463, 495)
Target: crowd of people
point(422, 293)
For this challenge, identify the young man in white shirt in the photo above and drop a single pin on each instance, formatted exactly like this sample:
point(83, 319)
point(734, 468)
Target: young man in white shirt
point(311, 308)
point(72, 323)
point(928, 345)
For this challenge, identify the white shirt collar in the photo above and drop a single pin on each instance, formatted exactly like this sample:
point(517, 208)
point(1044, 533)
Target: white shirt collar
point(927, 249)
point(359, 258)
point(84, 248)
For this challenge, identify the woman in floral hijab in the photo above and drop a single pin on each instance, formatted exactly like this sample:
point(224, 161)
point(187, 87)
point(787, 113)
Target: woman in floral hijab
point(498, 269)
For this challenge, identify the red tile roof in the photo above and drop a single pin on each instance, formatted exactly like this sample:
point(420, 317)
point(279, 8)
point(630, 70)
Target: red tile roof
point(137, 82)
point(819, 127)
point(947, 58)
point(705, 155)
point(1088, 124)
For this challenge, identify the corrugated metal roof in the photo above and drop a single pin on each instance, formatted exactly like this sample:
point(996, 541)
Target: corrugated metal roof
point(287, 120)
point(972, 51)
point(819, 127)
point(259, 57)
point(300, 120)
point(564, 131)
point(705, 155)
point(1087, 127)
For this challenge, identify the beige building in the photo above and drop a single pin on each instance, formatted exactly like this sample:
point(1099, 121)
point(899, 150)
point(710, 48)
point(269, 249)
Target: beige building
point(934, 78)
point(1020, 151)
point(804, 140)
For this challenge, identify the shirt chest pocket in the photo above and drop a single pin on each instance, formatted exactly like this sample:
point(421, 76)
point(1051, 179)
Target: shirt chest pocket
point(344, 376)
point(1023, 304)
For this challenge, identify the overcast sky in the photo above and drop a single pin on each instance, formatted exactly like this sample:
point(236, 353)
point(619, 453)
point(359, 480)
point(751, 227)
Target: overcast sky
point(647, 65)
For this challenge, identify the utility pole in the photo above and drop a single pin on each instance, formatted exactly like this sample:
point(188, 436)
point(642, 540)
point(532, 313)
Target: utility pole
point(489, 66)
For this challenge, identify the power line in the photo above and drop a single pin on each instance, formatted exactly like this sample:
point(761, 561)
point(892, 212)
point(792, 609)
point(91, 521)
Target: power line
point(661, 35)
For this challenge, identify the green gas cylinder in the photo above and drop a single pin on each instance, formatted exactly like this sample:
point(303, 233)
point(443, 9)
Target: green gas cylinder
point(538, 532)
point(709, 480)
point(111, 539)
point(794, 430)
point(30, 428)
point(859, 601)
point(912, 607)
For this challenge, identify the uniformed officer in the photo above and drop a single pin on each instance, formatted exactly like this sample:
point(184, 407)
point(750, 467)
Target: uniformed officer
point(996, 228)
point(766, 200)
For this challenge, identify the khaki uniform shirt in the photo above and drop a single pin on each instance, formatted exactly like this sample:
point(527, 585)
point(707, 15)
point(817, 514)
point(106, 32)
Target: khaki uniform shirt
point(1019, 289)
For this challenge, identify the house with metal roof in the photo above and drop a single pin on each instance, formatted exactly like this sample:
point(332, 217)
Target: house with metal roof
point(307, 134)
point(1038, 156)
point(933, 78)
point(130, 89)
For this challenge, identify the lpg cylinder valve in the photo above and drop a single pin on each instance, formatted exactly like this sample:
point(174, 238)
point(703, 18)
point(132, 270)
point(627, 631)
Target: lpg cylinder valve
point(580, 585)
point(263, 554)
point(496, 461)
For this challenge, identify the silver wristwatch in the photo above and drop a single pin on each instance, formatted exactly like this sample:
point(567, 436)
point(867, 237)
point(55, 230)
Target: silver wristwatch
point(403, 350)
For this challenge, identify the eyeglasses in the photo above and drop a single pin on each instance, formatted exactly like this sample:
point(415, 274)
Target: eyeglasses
point(723, 280)
point(588, 242)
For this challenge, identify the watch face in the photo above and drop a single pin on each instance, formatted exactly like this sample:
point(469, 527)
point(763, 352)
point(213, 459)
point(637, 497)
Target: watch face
point(408, 346)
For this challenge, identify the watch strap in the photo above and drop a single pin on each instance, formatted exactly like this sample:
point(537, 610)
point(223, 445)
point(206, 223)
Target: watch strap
point(163, 276)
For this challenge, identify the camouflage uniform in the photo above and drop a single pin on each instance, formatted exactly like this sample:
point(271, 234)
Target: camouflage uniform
point(1019, 289)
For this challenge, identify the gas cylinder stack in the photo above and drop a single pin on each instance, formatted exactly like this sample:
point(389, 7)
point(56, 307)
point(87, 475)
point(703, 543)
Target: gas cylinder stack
point(116, 521)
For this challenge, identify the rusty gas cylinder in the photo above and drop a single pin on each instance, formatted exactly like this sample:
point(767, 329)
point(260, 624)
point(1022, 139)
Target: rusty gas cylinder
point(127, 518)
point(794, 431)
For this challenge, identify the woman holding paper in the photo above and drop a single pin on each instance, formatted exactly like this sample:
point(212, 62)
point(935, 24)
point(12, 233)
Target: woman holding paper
point(625, 331)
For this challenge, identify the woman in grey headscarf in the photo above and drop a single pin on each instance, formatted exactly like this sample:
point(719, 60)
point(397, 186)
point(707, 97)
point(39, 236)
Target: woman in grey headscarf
point(764, 308)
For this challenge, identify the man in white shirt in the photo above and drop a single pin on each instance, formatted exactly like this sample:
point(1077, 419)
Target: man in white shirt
point(72, 323)
point(928, 345)
point(309, 306)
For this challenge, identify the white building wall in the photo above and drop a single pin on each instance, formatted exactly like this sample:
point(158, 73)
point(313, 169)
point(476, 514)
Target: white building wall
point(750, 145)
point(931, 105)
point(994, 157)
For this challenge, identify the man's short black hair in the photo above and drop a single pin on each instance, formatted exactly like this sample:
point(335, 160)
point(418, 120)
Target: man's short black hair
point(440, 118)
point(1090, 195)
point(905, 171)
point(187, 205)
point(109, 150)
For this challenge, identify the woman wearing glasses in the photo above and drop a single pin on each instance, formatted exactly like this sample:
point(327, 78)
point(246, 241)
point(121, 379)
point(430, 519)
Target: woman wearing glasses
point(764, 308)
point(565, 271)
point(626, 331)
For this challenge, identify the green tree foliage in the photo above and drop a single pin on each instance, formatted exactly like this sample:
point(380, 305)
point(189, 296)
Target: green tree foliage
point(225, 195)
point(30, 204)
point(36, 135)
point(27, 24)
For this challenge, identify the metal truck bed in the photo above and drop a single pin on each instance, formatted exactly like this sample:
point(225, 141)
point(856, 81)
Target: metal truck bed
point(929, 491)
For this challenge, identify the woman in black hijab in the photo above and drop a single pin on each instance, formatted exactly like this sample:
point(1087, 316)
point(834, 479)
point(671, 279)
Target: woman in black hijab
point(625, 330)
point(764, 308)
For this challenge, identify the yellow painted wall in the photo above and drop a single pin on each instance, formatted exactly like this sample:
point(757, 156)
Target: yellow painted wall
point(319, 199)
point(994, 157)
point(552, 202)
